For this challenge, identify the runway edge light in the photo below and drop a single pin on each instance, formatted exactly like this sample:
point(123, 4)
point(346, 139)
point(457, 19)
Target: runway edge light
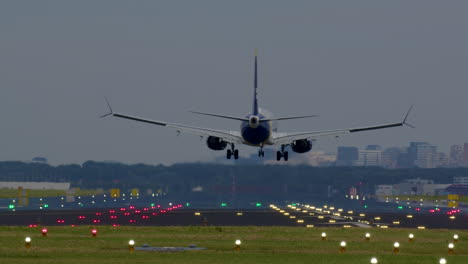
point(238, 244)
point(27, 242)
point(131, 245)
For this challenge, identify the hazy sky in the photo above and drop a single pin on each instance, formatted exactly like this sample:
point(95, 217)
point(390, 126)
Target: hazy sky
point(352, 62)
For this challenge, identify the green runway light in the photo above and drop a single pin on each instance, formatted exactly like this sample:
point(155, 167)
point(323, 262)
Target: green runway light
point(294, 204)
point(187, 204)
point(258, 204)
point(11, 206)
point(46, 205)
point(152, 204)
point(365, 206)
point(223, 204)
point(400, 207)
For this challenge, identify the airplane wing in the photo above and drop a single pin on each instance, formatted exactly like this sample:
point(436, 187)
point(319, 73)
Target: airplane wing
point(288, 138)
point(229, 136)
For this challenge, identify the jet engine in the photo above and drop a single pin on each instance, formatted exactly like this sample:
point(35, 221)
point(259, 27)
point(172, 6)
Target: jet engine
point(301, 146)
point(216, 143)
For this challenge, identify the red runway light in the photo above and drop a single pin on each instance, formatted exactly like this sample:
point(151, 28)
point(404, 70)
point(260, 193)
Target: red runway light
point(98, 213)
point(111, 211)
point(94, 232)
point(44, 231)
point(60, 221)
point(122, 209)
point(132, 207)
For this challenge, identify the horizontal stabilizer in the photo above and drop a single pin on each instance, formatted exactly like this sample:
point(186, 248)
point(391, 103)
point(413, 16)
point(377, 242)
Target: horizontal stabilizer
point(222, 116)
point(287, 118)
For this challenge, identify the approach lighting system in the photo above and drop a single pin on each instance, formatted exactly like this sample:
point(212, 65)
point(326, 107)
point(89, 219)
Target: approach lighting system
point(374, 260)
point(131, 245)
point(410, 238)
point(238, 244)
point(442, 261)
point(27, 242)
point(455, 238)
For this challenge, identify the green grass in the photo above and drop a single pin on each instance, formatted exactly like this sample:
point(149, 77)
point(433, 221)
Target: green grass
point(259, 245)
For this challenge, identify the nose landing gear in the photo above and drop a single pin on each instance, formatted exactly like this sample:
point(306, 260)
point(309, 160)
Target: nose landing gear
point(261, 153)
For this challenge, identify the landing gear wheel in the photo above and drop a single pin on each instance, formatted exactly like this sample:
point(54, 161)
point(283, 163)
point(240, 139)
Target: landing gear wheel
point(285, 156)
point(228, 154)
point(278, 155)
point(236, 154)
point(261, 153)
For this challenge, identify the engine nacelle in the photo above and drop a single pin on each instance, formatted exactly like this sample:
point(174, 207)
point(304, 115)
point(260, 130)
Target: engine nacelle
point(301, 146)
point(216, 143)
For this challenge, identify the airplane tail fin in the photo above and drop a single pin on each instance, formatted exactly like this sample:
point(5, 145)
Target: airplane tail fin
point(255, 110)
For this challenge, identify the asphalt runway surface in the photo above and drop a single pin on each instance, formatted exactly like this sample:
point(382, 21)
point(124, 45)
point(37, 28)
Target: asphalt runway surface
point(178, 216)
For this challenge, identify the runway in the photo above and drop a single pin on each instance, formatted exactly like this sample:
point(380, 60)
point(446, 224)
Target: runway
point(178, 216)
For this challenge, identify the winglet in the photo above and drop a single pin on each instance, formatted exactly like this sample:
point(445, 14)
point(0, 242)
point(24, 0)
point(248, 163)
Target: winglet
point(406, 117)
point(110, 109)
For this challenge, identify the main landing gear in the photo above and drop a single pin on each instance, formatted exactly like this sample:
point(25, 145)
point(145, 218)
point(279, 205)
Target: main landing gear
point(282, 154)
point(232, 152)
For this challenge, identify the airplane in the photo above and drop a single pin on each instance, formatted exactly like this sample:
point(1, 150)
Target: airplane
point(256, 130)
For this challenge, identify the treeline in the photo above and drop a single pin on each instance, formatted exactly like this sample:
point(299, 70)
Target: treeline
point(278, 181)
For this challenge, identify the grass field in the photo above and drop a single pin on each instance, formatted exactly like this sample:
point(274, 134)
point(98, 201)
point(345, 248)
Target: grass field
point(259, 245)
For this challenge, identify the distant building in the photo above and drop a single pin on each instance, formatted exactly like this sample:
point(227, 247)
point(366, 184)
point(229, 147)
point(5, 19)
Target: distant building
point(442, 160)
point(369, 158)
point(374, 147)
point(36, 185)
point(385, 190)
point(456, 155)
point(460, 180)
point(422, 155)
point(347, 156)
point(39, 160)
point(420, 187)
point(460, 189)
point(395, 157)
point(465, 153)
point(320, 159)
